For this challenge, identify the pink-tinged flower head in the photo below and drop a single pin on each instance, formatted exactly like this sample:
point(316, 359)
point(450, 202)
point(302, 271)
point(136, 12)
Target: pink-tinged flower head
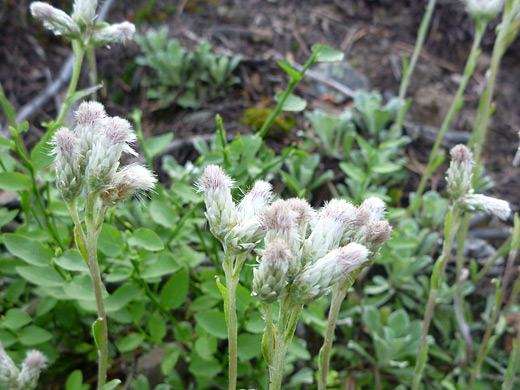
point(118, 131)
point(335, 219)
point(317, 279)
point(132, 180)
point(304, 214)
point(118, 32)
point(375, 207)
point(55, 19)
point(34, 362)
point(460, 173)
point(214, 179)
point(255, 200)
point(375, 235)
point(90, 113)
point(65, 143)
point(269, 278)
point(279, 218)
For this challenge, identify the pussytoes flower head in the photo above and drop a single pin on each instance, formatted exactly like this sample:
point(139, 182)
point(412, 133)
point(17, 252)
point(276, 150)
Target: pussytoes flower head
point(478, 202)
point(8, 371)
point(460, 173)
point(375, 207)
point(68, 175)
point(132, 180)
point(334, 219)
point(84, 11)
point(318, 279)
point(221, 211)
point(376, 234)
point(117, 32)
point(55, 19)
point(34, 362)
point(90, 113)
point(269, 278)
point(255, 200)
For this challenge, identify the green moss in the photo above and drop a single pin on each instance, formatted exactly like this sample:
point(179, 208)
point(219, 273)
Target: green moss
point(255, 117)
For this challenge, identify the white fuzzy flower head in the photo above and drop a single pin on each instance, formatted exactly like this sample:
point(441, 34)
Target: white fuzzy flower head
point(132, 180)
point(336, 217)
point(69, 179)
point(118, 32)
point(84, 11)
point(318, 279)
point(8, 371)
point(103, 160)
point(487, 9)
point(375, 207)
point(478, 202)
point(460, 173)
point(55, 19)
point(255, 200)
point(269, 278)
point(221, 211)
point(304, 214)
point(90, 117)
point(281, 223)
point(34, 362)
point(376, 234)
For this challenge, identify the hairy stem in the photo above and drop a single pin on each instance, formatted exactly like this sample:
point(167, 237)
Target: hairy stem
point(79, 52)
point(451, 224)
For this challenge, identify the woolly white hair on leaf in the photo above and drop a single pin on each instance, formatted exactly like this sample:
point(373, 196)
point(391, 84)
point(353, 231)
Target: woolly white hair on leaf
point(55, 19)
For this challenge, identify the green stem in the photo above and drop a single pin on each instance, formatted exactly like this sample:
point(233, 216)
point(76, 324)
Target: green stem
point(455, 107)
point(268, 312)
point(498, 303)
point(459, 289)
point(294, 81)
point(408, 71)
point(79, 52)
point(223, 141)
point(284, 333)
point(93, 229)
point(231, 288)
point(338, 295)
point(136, 117)
point(451, 224)
point(512, 365)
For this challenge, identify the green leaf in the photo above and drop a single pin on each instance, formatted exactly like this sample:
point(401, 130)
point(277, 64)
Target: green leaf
point(386, 168)
point(248, 346)
point(122, 296)
point(175, 291)
point(9, 111)
point(71, 260)
point(32, 251)
point(111, 385)
point(34, 335)
point(287, 68)
point(71, 99)
point(130, 342)
point(110, 241)
point(96, 332)
point(162, 213)
point(352, 171)
point(293, 103)
point(169, 361)
point(80, 288)
point(74, 381)
point(15, 319)
point(157, 327)
point(206, 346)
point(202, 367)
point(41, 276)
point(213, 322)
point(223, 292)
point(327, 54)
point(156, 145)
point(165, 264)
point(147, 239)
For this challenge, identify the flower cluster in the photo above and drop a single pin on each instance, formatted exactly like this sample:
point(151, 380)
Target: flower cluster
point(80, 25)
point(87, 158)
point(239, 227)
point(459, 178)
point(306, 252)
point(25, 379)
